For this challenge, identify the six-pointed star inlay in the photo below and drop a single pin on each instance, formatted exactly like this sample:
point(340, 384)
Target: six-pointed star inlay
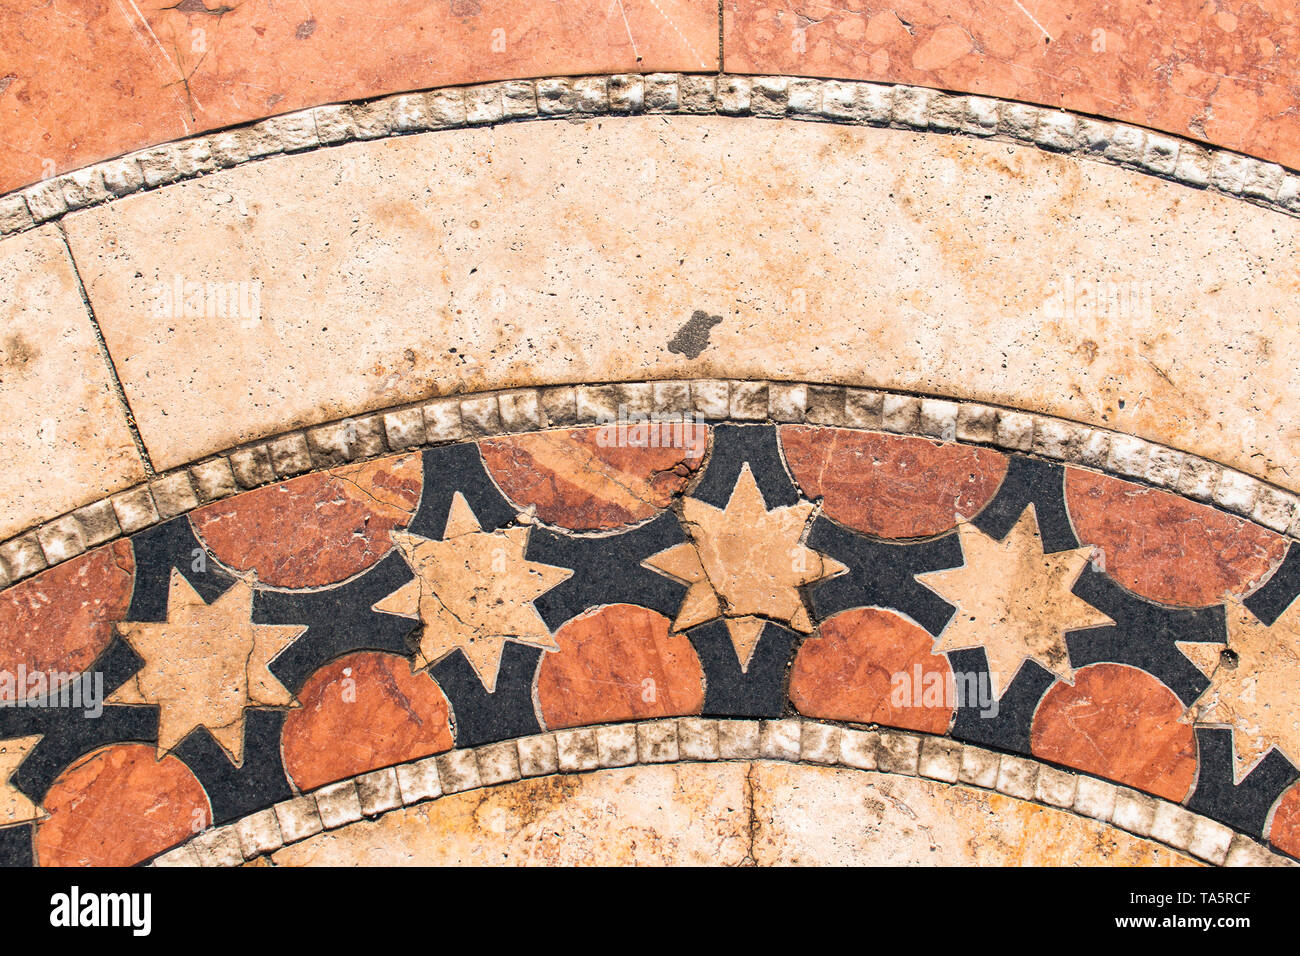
point(1014, 600)
point(744, 563)
point(1254, 684)
point(205, 665)
point(473, 591)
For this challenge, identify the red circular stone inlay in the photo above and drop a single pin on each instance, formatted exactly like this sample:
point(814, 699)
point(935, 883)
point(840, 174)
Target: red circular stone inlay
point(118, 806)
point(362, 712)
point(62, 619)
point(317, 529)
point(1121, 723)
point(1166, 548)
point(618, 663)
point(891, 486)
point(602, 477)
point(870, 665)
point(1284, 831)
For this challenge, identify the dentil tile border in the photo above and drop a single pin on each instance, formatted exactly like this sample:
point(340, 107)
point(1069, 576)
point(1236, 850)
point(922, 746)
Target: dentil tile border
point(699, 739)
point(468, 417)
point(789, 97)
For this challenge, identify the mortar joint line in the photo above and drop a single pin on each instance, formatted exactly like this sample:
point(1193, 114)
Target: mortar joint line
point(107, 356)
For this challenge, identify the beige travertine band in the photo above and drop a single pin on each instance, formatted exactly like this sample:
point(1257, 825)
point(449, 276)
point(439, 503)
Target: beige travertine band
point(789, 97)
point(695, 739)
point(870, 278)
point(459, 418)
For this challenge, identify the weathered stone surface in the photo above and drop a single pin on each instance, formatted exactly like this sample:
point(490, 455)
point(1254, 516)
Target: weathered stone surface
point(700, 813)
point(600, 477)
point(683, 814)
point(957, 317)
point(64, 433)
point(1166, 548)
point(364, 711)
point(317, 529)
point(820, 816)
point(889, 485)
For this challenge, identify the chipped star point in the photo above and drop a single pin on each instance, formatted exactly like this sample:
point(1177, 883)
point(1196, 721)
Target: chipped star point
point(744, 563)
point(1254, 694)
point(206, 665)
point(473, 591)
point(1014, 600)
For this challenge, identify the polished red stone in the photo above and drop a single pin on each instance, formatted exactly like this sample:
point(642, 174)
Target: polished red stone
point(61, 619)
point(618, 663)
point(1166, 548)
point(317, 529)
point(1120, 723)
point(118, 806)
point(1284, 829)
point(589, 478)
point(870, 665)
point(362, 712)
point(82, 82)
point(891, 486)
point(1221, 72)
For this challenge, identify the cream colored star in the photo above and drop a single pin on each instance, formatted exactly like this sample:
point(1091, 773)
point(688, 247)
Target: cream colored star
point(745, 564)
point(205, 665)
point(473, 591)
point(1254, 689)
point(1014, 600)
point(15, 806)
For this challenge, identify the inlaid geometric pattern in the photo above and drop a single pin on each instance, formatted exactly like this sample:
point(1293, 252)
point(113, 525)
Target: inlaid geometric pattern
point(734, 596)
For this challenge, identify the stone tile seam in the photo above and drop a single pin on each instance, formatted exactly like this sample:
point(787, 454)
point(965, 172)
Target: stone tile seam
point(371, 795)
point(102, 344)
point(847, 102)
point(413, 426)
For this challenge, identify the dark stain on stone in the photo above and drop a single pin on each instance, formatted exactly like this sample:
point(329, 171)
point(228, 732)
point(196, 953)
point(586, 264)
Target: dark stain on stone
point(6, 80)
point(466, 8)
point(197, 6)
point(693, 337)
point(15, 351)
point(305, 29)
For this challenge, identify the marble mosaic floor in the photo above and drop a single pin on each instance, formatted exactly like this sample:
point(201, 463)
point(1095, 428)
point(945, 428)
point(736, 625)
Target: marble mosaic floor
point(651, 432)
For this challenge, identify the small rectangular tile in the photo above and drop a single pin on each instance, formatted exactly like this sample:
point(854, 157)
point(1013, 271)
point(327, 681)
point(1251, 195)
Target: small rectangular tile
point(379, 792)
point(498, 763)
point(538, 755)
point(819, 743)
point(697, 738)
point(940, 759)
point(616, 745)
point(577, 750)
point(737, 739)
point(298, 818)
point(259, 833)
point(338, 804)
point(419, 780)
point(859, 749)
point(657, 742)
point(899, 752)
point(458, 771)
